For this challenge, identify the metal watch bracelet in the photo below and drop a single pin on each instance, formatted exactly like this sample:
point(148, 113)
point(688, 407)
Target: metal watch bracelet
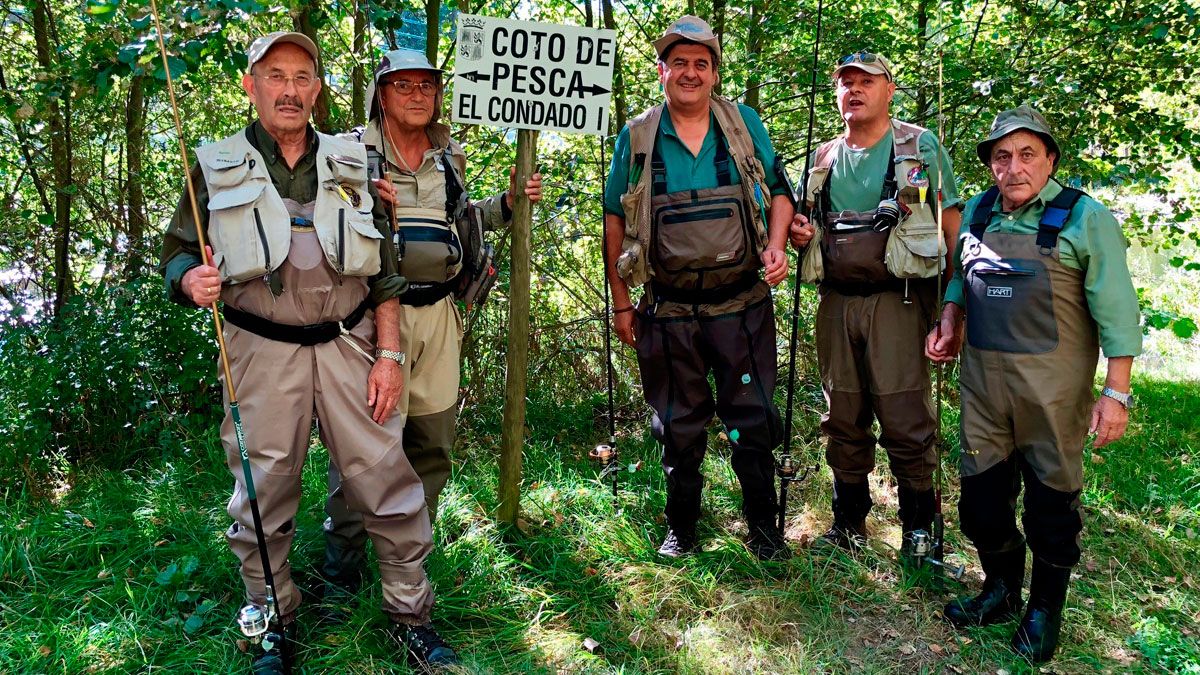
point(398, 357)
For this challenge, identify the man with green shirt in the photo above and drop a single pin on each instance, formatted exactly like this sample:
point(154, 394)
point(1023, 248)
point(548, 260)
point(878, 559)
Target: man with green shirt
point(302, 263)
point(1042, 278)
point(876, 187)
point(693, 216)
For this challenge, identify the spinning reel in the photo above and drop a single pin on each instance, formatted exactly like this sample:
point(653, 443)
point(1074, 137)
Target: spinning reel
point(926, 548)
point(605, 455)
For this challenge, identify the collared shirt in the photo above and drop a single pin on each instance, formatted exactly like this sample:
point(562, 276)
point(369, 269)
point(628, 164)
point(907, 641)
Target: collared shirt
point(686, 171)
point(856, 179)
point(181, 253)
point(1091, 240)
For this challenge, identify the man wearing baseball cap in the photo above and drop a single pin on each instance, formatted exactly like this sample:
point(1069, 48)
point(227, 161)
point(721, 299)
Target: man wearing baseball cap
point(697, 214)
point(1042, 278)
point(427, 191)
point(302, 263)
point(875, 193)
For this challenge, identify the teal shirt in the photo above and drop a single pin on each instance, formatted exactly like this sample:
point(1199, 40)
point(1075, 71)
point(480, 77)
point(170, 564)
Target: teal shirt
point(686, 171)
point(1091, 241)
point(856, 179)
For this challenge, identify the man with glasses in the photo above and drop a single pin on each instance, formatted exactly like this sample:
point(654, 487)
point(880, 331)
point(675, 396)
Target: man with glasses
point(427, 192)
point(1042, 278)
point(302, 262)
point(692, 215)
point(875, 192)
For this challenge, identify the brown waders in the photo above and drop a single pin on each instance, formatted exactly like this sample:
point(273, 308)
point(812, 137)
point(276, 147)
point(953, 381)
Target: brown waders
point(282, 386)
point(1026, 380)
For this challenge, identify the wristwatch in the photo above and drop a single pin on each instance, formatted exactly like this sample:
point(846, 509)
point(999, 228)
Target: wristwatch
point(1124, 398)
point(398, 357)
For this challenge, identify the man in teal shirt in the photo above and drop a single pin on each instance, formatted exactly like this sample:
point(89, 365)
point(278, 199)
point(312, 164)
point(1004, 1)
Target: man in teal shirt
point(1041, 277)
point(694, 217)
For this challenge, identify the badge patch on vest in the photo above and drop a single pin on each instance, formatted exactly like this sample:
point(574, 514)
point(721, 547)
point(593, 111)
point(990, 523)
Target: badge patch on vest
point(918, 177)
point(349, 194)
point(999, 291)
point(723, 257)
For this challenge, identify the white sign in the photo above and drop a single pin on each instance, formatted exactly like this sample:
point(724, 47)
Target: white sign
point(533, 75)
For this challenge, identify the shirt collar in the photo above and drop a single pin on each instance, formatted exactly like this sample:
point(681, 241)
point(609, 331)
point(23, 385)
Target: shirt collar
point(438, 133)
point(1043, 198)
point(269, 147)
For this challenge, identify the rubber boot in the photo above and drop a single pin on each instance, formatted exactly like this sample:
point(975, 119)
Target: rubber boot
point(916, 514)
point(766, 542)
point(342, 576)
point(1000, 599)
point(851, 504)
point(1037, 634)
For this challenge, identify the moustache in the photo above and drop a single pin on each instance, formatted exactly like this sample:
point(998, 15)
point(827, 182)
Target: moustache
point(293, 101)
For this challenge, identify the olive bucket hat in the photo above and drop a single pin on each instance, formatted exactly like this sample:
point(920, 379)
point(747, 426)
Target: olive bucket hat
point(403, 59)
point(1025, 118)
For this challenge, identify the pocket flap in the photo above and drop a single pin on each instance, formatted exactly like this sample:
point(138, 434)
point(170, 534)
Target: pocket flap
point(362, 223)
point(347, 169)
point(239, 194)
point(226, 169)
point(922, 243)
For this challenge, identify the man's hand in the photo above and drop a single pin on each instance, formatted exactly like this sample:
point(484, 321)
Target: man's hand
point(384, 385)
point(1109, 420)
point(775, 264)
point(624, 325)
point(533, 187)
point(386, 191)
point(202, 284)
point(800, 232)
point(945, 340)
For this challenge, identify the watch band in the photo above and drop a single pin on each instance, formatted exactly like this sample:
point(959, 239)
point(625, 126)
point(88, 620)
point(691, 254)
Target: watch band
point(398, 357)
point(1120, 397)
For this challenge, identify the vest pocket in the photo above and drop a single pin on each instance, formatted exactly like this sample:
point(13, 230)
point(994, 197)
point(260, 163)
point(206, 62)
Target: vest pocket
point(358, 243)
point(1010, 306)
point(914, 247)
point(236, 229)
point(701, 237)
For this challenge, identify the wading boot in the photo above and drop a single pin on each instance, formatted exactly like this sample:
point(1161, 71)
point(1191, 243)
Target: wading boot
point(766, 542)
point(1000, 599)
point(1037, 634)
point(342, 576)
point(679, 542)
point(276, 654)
point(851, 503)
point(425, 649)
point(916, 514)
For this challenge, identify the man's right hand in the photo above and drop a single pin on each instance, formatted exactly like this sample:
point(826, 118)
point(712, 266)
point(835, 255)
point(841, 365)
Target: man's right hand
point(386, 191)
point(624, 323)
point(800, 232)
point(202, 284)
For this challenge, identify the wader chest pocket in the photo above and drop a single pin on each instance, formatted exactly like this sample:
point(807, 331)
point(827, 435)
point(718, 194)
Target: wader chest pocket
point(853, 250)
point(701, 237)
point(429, 249)
point(1010, 306)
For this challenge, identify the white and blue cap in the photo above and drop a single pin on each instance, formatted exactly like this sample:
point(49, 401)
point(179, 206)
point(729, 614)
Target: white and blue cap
point(692, 29)
point(395, 61)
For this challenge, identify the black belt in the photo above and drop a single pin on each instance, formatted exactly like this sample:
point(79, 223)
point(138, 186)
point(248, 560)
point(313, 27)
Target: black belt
point(696, 296)
point(421, 293)
point(312, 334)
point(862, 290)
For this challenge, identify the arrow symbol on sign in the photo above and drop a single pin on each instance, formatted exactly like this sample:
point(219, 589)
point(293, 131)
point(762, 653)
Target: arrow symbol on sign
point(594, 89)
point(475, 76)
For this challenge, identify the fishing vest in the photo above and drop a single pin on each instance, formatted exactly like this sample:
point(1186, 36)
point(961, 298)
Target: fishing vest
point(250, 229)
point(441, 250)
point(851, 251)
point(695, 246)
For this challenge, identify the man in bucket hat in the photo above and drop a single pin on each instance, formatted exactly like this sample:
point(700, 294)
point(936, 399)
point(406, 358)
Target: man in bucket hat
point(692, 215)
point(1042, 279)
point(308, 282)
point(427, 169)
point(878, 184)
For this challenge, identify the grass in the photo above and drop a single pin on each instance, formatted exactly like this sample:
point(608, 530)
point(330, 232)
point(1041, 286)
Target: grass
point(128, 571)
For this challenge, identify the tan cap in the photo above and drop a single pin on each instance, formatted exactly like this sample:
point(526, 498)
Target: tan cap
point(1023, 117)
point(692, 29)
point(867, 62)
point(259, 48)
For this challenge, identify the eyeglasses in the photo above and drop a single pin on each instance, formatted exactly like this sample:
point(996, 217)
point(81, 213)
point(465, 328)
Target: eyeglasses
point(859, 57)
point(302, 81)
point(405, 87)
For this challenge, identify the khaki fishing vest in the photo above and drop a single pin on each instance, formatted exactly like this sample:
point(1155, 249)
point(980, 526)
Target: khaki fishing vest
point(848, 250)
point(752, 194)
point(250, 229)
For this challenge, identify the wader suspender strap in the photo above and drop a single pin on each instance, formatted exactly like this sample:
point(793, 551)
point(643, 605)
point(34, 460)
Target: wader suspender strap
point(890, 188)
point(983, 212)
point(658, 167)
point(454, 188)
point(1054, 217)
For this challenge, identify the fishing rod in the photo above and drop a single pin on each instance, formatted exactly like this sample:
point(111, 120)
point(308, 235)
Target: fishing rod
point(786, 468)
point(605, 454)
point(258, 623)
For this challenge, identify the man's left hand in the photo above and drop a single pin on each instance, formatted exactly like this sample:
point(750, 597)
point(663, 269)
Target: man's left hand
point(386, 191)
point(533, 187)
point(383, 389)
point(1109, 420)
point(775, 262)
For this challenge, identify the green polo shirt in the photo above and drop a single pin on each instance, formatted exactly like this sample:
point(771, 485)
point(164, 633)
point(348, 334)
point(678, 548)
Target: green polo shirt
point(1091, 241)
point(856, 178)
point(686, 171)
point(181, 253)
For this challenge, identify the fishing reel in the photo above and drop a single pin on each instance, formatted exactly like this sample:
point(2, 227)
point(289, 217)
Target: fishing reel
point(605, 456)
point(925, 549)
point(259, 625)
point(786, 469)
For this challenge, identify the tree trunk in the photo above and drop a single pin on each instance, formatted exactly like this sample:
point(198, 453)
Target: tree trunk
point(754, 45)
point(433, 11)
point(59, 129)
point(302, 23)
point(718, 26)
point(922, 97)
point(135, 201)
point(358, 80)
point(619, 84)
point(512, 436)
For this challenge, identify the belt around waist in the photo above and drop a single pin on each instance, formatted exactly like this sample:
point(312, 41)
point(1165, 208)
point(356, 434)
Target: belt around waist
point(312, 334)
point(695, 296)
point(862, 290)
point(421, 294)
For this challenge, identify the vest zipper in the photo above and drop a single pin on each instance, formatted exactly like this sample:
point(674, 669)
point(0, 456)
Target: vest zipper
point(262, 236)
point(341, 241)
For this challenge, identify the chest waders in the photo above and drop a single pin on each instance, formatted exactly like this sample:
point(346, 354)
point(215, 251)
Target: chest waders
point(262, 625)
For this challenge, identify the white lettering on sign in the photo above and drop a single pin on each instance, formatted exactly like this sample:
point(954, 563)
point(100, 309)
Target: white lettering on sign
point(999, 291)
point(533, 75)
